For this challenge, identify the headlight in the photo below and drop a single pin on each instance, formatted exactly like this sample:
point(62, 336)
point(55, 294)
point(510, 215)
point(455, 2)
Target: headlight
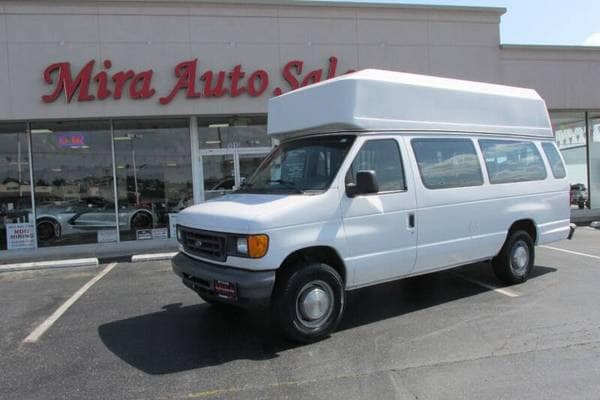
point(241, 246)
point(179, 236)
point(253, 246)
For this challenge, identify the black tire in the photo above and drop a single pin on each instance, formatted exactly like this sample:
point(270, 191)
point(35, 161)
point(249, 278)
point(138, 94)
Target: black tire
point(47, 230)
point(514, 262)
point(308, 302)
point(141, 220)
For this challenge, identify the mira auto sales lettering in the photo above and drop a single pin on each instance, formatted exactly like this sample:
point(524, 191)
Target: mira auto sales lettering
point(99, 82)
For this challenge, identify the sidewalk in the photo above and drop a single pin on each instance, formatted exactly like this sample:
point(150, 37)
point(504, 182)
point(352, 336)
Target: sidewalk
point(584, 216)
point(104, 252)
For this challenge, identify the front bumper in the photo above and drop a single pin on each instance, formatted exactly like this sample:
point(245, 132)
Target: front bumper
point(253, 287)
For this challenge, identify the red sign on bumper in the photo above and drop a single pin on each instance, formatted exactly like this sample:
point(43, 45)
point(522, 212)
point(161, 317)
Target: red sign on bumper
point(226, 290)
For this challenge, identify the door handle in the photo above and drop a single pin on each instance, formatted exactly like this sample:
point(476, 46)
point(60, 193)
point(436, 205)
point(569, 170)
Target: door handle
point(411, 220)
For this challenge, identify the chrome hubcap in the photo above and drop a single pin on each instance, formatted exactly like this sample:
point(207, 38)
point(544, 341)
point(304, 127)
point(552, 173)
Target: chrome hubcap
point(314, 304)
point(520, 258)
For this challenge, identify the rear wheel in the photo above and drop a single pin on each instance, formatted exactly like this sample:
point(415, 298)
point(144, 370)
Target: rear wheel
point(308, 302)
point(514, 262)
point(141, 220)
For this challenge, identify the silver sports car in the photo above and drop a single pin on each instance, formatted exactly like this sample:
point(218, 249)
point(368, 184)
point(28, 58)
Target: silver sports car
point(62, 218)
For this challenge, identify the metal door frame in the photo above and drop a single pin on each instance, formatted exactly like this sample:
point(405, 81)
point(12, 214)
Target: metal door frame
point(228, 151)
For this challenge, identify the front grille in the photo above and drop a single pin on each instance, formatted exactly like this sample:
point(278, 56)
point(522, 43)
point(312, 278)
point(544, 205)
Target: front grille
point(204, 244)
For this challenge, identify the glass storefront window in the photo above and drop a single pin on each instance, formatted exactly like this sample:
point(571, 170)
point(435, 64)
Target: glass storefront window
point(230, 150)
point(81, 196)
point(15, 190)
point(571, 138)
point(73, 182)
point(154, 175)
point(594, 158)
point(234, 132)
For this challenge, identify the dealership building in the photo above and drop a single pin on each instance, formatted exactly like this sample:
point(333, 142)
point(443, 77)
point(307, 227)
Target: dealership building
point(121, 113)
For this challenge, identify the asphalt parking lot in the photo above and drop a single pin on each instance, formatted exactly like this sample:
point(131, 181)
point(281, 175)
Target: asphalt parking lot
point(138, 333)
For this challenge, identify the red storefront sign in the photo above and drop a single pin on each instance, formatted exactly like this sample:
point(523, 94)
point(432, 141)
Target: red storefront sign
point(71, 140)
point(92, 83)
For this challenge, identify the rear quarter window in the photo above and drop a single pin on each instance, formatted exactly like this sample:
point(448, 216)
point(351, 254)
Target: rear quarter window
point(447, 163)
point(512, 161)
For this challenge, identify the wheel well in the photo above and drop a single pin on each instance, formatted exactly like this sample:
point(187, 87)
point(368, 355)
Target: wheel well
point(53, 221)
point(141, 211)
point(324, 254)
point(526, 225)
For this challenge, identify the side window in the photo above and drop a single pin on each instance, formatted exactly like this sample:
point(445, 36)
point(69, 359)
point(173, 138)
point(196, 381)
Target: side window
point(383, 157)
point(556, 164)
point(447, 163)
point(512, 161)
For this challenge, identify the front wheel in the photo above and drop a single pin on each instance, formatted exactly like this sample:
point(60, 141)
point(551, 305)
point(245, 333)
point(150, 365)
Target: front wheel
point(514, 262)
point(308, 302)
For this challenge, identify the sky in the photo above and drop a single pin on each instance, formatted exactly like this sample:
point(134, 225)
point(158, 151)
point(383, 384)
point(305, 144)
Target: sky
point(550, 22)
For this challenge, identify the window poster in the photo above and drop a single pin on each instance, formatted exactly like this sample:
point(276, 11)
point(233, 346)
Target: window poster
point(20, 236)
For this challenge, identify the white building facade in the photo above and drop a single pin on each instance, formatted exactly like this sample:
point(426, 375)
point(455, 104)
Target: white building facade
point(121, 113)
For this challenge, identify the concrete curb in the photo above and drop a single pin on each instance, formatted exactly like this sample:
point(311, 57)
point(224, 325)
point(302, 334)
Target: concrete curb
point(78, 262)
point(152, 257)
point(83, 262)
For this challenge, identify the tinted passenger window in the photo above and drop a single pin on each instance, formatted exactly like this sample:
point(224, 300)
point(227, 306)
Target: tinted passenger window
point(383, 157)
point(556, 164)
point(512, 161)
point(447, 163)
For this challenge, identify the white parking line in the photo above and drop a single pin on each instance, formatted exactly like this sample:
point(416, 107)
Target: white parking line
point(506, 292)
point(44, 326)
point(571, 252)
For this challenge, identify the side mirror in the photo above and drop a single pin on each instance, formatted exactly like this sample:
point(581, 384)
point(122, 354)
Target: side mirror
point(366, 183)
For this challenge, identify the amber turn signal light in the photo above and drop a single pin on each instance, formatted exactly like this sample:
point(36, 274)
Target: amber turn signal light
point(257, 245)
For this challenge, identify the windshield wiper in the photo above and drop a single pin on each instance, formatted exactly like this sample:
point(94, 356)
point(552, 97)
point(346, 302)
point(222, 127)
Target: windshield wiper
point(288, 184)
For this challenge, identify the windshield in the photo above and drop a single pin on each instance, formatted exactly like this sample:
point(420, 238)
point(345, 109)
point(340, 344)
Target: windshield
point(299, 166)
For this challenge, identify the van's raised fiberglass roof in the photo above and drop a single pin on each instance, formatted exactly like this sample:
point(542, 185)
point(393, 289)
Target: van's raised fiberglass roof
point(376, 100)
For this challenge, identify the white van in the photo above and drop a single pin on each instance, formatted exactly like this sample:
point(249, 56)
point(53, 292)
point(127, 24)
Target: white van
point(379, 176)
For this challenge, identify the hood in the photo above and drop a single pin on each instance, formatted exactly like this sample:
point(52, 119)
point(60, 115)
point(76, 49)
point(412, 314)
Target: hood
point(255, 213)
